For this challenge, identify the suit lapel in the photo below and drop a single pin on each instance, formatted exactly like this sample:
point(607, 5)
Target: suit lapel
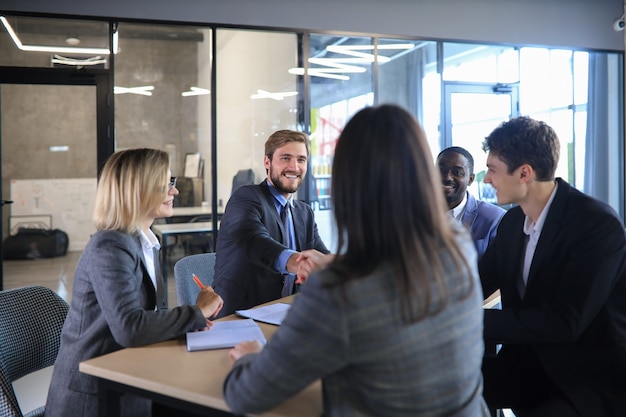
point(299, 224)
point(271, 201)
point(160, 286)
point(146, 280)
point(550, 229)
point(469, 214)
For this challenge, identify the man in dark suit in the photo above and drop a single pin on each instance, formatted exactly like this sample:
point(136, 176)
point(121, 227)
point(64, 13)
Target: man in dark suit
point(559, 260)
point(258, 255)
point(456, 166)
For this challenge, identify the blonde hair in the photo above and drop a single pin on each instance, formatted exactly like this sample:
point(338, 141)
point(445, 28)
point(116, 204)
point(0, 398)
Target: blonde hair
point(133, 182)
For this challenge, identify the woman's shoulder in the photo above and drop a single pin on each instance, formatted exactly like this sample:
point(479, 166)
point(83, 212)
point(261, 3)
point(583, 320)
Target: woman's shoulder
point(108, 237)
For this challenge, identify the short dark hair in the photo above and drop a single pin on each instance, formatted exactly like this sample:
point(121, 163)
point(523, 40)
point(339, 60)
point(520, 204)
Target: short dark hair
point(523, 140)
point(460, 151)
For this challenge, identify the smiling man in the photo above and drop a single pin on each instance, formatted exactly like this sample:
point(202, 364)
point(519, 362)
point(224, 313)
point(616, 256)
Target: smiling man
point(559, 260)
point(456, 166)
point(259, 252)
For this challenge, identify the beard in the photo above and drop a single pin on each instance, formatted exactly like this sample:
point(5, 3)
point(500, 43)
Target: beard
point(281, 184)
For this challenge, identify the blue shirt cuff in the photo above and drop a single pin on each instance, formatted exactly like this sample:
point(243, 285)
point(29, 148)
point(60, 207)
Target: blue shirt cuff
point(281, 262)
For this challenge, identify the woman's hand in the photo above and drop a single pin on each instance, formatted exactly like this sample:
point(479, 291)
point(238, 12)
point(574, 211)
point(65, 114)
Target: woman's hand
point(309, 261)
point(244, 348)
point(209, 302)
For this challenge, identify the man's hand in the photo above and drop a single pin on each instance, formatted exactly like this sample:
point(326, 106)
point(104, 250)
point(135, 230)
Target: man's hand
point(306, 262)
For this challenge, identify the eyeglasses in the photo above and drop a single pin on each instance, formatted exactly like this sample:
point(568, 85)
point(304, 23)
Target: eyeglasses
point(171, 184)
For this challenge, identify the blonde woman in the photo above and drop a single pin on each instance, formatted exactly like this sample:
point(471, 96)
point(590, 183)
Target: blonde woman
point(118, 296)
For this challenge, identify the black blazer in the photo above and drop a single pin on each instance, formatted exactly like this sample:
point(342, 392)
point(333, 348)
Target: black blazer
point(573, 314)
point(249, 242)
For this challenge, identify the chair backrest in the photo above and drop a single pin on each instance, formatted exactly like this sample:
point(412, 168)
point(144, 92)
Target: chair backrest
point(31, 320)
point(242, 177)
point(202, 265)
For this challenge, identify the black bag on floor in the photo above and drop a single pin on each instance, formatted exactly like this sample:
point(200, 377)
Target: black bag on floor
point(35, 243)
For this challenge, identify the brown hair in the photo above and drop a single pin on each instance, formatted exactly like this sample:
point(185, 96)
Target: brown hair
point(389, 208)
point(281, 137)
point(523, 140)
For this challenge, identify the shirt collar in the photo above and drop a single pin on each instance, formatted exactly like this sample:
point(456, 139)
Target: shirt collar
point(529, 226)
point(280, 199)
point(457, 212)
point(149, 240)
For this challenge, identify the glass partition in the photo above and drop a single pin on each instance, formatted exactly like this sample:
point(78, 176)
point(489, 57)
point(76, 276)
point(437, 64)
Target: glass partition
point(163, 100)
point(256, 95)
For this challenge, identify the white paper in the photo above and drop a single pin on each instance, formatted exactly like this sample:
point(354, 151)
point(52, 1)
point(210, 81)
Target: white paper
point(271, 314)
point(225, 334)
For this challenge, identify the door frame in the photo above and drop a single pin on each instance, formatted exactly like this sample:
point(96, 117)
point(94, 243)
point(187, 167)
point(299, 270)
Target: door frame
point(100, 78)
point(452, 87)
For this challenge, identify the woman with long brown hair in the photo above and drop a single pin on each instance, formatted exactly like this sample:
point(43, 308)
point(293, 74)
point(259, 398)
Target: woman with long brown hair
point(393, 324)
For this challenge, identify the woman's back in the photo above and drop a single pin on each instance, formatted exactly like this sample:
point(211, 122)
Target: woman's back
point(370, 361)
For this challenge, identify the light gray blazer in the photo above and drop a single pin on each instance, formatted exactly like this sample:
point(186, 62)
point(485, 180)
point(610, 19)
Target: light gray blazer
point(112, 307)
point(371, 363)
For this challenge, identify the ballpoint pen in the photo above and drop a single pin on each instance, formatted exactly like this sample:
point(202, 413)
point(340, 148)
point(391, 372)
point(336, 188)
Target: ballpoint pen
point(197, 280)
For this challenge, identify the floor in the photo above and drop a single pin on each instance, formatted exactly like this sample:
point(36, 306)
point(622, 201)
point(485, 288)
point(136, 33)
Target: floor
point(57, 274)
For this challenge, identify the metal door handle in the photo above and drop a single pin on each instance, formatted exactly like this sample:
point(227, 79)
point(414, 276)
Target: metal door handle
point(3, 202)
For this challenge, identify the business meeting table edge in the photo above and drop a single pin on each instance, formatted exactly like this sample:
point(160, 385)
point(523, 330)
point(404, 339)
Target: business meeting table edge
point(167, 373)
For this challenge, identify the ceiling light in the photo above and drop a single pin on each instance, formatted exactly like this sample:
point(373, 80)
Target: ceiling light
point(318, 72)
point(145, 90)
point(44, 48)
point(63, 60)
point(195, 91)
point(59, 148)
point(336, 66)
point(275, 96)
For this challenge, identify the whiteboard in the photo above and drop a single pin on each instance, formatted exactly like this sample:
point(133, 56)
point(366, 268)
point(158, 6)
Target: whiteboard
point(69, 201)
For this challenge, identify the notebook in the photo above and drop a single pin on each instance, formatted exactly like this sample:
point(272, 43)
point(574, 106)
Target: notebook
point(271, 314)
point(225, 334)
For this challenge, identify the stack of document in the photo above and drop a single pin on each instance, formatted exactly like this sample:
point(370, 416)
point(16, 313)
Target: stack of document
point(271, 314)
point(225, 334)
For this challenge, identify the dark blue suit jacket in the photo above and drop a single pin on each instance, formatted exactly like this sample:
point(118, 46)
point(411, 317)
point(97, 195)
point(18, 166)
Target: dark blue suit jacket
point(249, 242)
point(572, 319)
point(482, 219)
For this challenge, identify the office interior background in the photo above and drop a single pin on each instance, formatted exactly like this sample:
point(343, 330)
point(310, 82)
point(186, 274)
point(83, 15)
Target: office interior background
point(209, 81)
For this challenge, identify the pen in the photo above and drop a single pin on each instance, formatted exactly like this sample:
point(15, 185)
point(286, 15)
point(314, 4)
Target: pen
point(198, 282)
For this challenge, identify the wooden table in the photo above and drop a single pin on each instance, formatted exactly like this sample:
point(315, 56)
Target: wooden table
point(192, 381)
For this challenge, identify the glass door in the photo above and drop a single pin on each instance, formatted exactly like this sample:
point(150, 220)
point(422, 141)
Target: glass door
point(472, 111)
point(53, 137)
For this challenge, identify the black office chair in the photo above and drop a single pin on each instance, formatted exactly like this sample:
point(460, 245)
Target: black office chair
point(242, 177)
point(31, 319)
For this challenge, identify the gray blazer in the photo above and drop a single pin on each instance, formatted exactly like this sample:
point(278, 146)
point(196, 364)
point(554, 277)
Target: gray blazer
point(371, 363)
point(249, 242)
point(112, 307)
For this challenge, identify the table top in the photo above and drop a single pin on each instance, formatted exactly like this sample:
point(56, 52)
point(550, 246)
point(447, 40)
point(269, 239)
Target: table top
point(193, 211)
point(198, 377)
point(167, 368)
point(178, 228)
